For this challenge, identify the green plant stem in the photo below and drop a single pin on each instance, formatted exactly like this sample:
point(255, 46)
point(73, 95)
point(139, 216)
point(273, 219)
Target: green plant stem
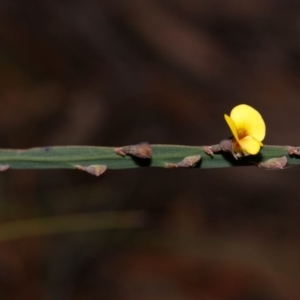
point(68, 157)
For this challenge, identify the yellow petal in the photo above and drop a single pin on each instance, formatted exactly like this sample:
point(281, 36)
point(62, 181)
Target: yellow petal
point(232, 126)
point(250, 145)
point(247, 118)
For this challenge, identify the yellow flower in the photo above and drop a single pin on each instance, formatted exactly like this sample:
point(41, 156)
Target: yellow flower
point(247, 127)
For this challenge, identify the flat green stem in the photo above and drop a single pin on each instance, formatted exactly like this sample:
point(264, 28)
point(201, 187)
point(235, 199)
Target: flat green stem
point(70, 157)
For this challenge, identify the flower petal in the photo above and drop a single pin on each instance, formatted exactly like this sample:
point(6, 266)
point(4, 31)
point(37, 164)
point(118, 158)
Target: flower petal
point(232, 126)
point(249, 119)
point(250, 145)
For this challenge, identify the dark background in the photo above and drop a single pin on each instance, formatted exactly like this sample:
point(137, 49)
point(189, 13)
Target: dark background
point(113, 73)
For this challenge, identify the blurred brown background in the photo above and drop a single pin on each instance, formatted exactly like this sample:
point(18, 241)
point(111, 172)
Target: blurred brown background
point(119, 72)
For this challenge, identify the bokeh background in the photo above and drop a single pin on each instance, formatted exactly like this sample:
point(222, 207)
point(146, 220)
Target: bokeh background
point(119, 72)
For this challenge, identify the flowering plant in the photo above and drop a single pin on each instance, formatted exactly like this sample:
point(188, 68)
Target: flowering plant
point(248, 129)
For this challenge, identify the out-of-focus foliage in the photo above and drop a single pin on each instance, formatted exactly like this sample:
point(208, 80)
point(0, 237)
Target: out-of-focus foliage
point(119, 72)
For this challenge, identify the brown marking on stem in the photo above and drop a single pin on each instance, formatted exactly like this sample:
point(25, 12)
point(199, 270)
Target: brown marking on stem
point(96, 170)
point(231, 146)
point(141, 150)
point(293, 150)
point(208, 150)
point(4, 167)
point(120, 151)
point(211, 150)
point(227, 146)
point(274, 163)
point(187, 162)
